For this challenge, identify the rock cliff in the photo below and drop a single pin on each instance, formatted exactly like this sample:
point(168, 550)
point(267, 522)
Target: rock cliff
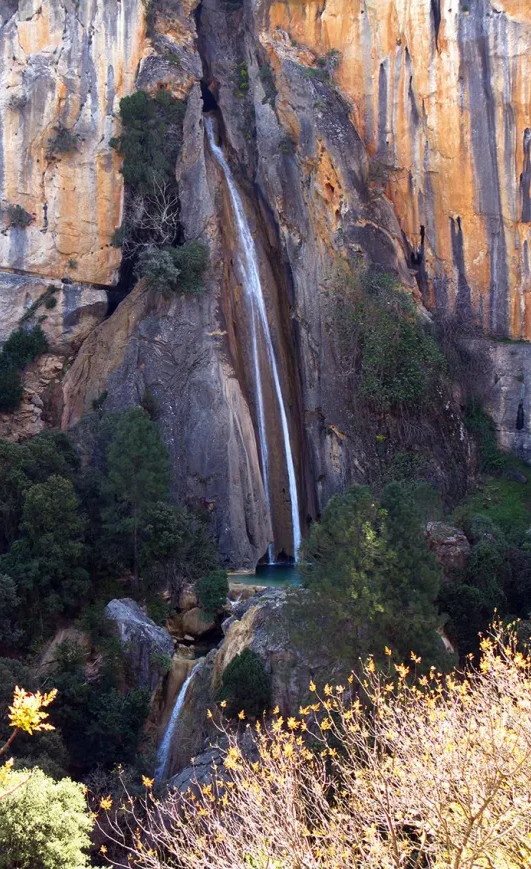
point(393, 131)
point(439, 93)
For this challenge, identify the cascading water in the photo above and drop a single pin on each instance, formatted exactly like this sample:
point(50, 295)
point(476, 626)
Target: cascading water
point(248, 262)
point(163, 752)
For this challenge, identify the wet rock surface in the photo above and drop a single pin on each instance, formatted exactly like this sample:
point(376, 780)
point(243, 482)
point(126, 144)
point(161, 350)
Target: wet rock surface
point(146, 646)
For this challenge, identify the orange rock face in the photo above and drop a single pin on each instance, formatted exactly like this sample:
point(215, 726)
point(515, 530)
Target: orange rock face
point(441, 94)
point(65, 64)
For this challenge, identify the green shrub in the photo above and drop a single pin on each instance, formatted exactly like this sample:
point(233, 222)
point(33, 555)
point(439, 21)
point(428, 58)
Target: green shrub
point(10, 387)
point(18, 216)
point(23, 346)
point(245, 685)
point(174, 269)
point(63, 141)
point(241, 78)
point(212, 591)
point(397, 363)
point(99, 724)
point(371, 580)
point(50, 303)
point(44, 824)
point(150, 139)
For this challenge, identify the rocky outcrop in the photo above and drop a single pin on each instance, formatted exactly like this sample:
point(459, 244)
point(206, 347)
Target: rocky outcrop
point(175, 348)
point(67, 312)
point(438, 93)
point(64, 65)
point(196, 623)
point(509, 395)
point(147, 647)
point(262, 624)
point(450, 545)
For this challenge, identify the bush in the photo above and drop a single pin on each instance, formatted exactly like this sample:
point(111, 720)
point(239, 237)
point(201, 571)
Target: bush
point(22, 346)
point(18, 216)
point(396, 363)
point(10, 387)
point(245, 685)
point(371, 581)
point(402, 775)
point(44, 824)
point(63, 141)
point(174, 269)
point(241, 78)
point(150, 139)
point(212, 591)
point(480, 424)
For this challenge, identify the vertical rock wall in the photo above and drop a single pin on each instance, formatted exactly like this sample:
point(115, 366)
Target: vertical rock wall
point(440, 92)
point(64, 63)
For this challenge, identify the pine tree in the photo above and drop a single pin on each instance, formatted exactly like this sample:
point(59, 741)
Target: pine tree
point(138, 475)
point(371, 579)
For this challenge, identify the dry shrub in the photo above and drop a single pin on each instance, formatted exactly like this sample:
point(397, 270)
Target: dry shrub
point(393, 771)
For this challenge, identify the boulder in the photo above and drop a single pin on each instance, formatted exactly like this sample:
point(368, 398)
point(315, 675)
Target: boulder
point(196, 623)
point(147, 646)
point(450, 545)
point(188, 599)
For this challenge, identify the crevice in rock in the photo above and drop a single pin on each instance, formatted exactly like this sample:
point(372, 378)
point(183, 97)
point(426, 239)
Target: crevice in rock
point(231, 118)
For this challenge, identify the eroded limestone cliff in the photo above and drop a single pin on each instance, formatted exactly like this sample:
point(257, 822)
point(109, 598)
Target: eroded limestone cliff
point(390, 130)
point(440, 95)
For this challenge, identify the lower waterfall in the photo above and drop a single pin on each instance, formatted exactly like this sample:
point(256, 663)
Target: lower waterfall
point(252, 287)
point(163, 752)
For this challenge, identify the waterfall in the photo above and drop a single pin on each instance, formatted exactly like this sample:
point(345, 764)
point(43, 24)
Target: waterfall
point(252, 285)
point(163, 752)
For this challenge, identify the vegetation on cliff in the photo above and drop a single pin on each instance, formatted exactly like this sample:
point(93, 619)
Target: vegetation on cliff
point(399, 407)
point(22, 347)
point(371, 581)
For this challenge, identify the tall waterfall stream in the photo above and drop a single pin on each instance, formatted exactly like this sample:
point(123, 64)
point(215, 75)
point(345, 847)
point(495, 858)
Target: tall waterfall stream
point(163, 752)
point(252, 286)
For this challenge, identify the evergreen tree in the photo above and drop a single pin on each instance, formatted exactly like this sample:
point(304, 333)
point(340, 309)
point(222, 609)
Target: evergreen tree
point(411, 581)
point(245, 685)
point(342, 562)
point(48, 561)
point(371, 580)
point(138, 475)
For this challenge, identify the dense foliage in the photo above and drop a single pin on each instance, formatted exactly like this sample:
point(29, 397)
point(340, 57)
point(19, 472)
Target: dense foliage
point(21, 348)
point(212, 590)
point(396, 362)
point(174, 269)
point(151, 137)
point(371, 581)
point(245, 685)
point(72, 537)
point(44, 824)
